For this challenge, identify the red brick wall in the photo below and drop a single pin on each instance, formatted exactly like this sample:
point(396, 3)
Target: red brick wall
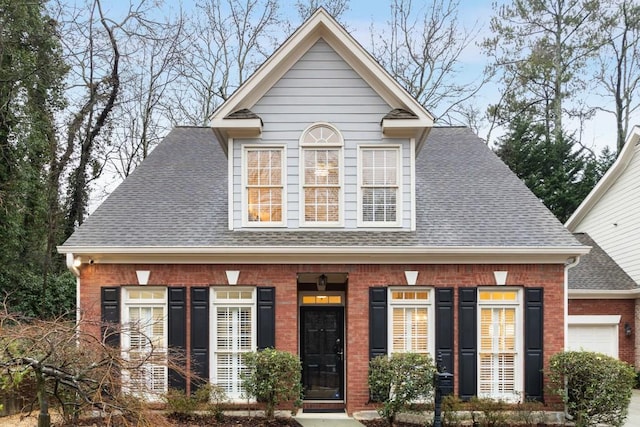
point(361, 277)
point(623, 307)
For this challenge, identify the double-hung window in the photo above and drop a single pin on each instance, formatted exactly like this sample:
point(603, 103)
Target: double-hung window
point(264, 186)
point(234, 335)
point(145, 340)
point(321, 158)
point(379, 186)
point(411, 320)
point(498, 358)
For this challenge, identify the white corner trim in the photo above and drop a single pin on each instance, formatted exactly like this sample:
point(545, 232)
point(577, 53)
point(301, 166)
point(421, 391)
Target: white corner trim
point(594, 319)
point(609, 178)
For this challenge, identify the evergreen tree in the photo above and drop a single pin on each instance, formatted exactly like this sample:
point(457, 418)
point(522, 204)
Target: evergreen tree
point(560, 176)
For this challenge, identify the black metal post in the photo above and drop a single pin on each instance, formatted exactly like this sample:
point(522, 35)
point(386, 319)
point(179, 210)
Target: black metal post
point(440, 377)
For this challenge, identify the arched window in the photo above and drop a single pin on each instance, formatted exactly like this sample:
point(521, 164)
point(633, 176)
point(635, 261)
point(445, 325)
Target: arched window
point(321, 171)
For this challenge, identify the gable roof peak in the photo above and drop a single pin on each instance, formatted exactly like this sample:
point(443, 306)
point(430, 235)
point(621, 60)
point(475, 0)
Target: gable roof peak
point(321, 25)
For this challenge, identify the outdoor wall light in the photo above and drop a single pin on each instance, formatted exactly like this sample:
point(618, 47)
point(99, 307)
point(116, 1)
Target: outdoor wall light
point(501, 277)
point(232, 277)
point(627, 329)
point(411, 276)
point(321, 284)
point(143, 276)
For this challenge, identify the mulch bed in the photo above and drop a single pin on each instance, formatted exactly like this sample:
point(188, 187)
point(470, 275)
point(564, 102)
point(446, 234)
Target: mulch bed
point(232, 421)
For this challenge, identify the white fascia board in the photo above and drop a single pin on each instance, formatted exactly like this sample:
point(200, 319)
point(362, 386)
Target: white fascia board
point(606, 181)
point(411, 128)
point(333, 255)
point(602, 319)
point(238, 128)
point(601, 294)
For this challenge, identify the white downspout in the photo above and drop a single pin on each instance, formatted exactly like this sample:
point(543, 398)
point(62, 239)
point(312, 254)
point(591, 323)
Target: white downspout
point(570, 263)
point(73, 264)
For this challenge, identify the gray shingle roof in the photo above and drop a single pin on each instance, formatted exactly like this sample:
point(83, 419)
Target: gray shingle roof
point(597, 270)
point(465, 197)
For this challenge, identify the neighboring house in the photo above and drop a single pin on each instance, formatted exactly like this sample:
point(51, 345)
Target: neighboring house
point(604, 300)
point(323, 214)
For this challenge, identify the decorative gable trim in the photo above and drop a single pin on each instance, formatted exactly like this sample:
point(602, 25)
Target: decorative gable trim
point(605, 183)
point(320, 26)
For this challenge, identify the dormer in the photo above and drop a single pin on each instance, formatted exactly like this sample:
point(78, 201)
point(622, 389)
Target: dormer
point(321, 137)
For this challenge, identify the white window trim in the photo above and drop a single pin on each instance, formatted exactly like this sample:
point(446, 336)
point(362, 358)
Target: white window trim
point(124, 315)
point(213, 318)
point(399, 205)
point(518, 362)
point(304, 146)
point(243, 179)
point(429, 304)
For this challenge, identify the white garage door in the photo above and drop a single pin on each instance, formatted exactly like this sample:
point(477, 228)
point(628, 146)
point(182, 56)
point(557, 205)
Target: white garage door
point(594, 333)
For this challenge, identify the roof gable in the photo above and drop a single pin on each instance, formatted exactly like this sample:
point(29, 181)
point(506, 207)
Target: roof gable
point(607, 181)
point(322, 26)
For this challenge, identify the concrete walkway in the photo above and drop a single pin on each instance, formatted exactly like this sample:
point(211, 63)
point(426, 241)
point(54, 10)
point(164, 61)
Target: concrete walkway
point(324, 420)
point(633, 418)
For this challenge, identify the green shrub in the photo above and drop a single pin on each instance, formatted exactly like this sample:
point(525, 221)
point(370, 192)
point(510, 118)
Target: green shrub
point(488, 412)
point(399, 380)
point(595, 388)
point(273, 377)
point(208, 397)
point(451, 411)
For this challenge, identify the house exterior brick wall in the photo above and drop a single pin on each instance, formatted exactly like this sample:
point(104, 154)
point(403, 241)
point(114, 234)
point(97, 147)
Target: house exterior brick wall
point(360, 278)
point(626, 308)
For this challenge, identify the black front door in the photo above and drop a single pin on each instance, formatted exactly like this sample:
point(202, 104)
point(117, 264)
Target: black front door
point(322, 344)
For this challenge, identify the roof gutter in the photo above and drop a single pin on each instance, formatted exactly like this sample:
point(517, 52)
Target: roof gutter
point(604, 294)
point(326, 254)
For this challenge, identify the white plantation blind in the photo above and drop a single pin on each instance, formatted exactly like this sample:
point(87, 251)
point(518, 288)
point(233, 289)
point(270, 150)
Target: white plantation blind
point(410, 330)
point(410, 320)
point(146, 341)
point(234, 336)
point(498, 351)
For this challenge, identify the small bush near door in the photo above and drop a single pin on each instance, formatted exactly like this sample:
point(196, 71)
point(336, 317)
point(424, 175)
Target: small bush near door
point(273, 377)
point(399, 380)
point(598, 387)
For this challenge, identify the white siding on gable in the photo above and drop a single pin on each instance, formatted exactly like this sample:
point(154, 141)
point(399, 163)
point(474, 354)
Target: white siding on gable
point(614, 222)
point(322, 87)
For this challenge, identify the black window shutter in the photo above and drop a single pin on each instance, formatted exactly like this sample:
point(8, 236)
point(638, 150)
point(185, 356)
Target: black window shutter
point(199, 335)
point(467, 342)
point(266, 318)
point(110, 314)
point(377, 322)
point(533, 338)
point(177, 320)
point(444, 331)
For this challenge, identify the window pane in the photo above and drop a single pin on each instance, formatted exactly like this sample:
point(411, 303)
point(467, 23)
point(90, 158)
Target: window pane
point(497, 350)
point(322, 204)
point(264, 182)
point(234, 336)
point(410, 329)
point(379, 204)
